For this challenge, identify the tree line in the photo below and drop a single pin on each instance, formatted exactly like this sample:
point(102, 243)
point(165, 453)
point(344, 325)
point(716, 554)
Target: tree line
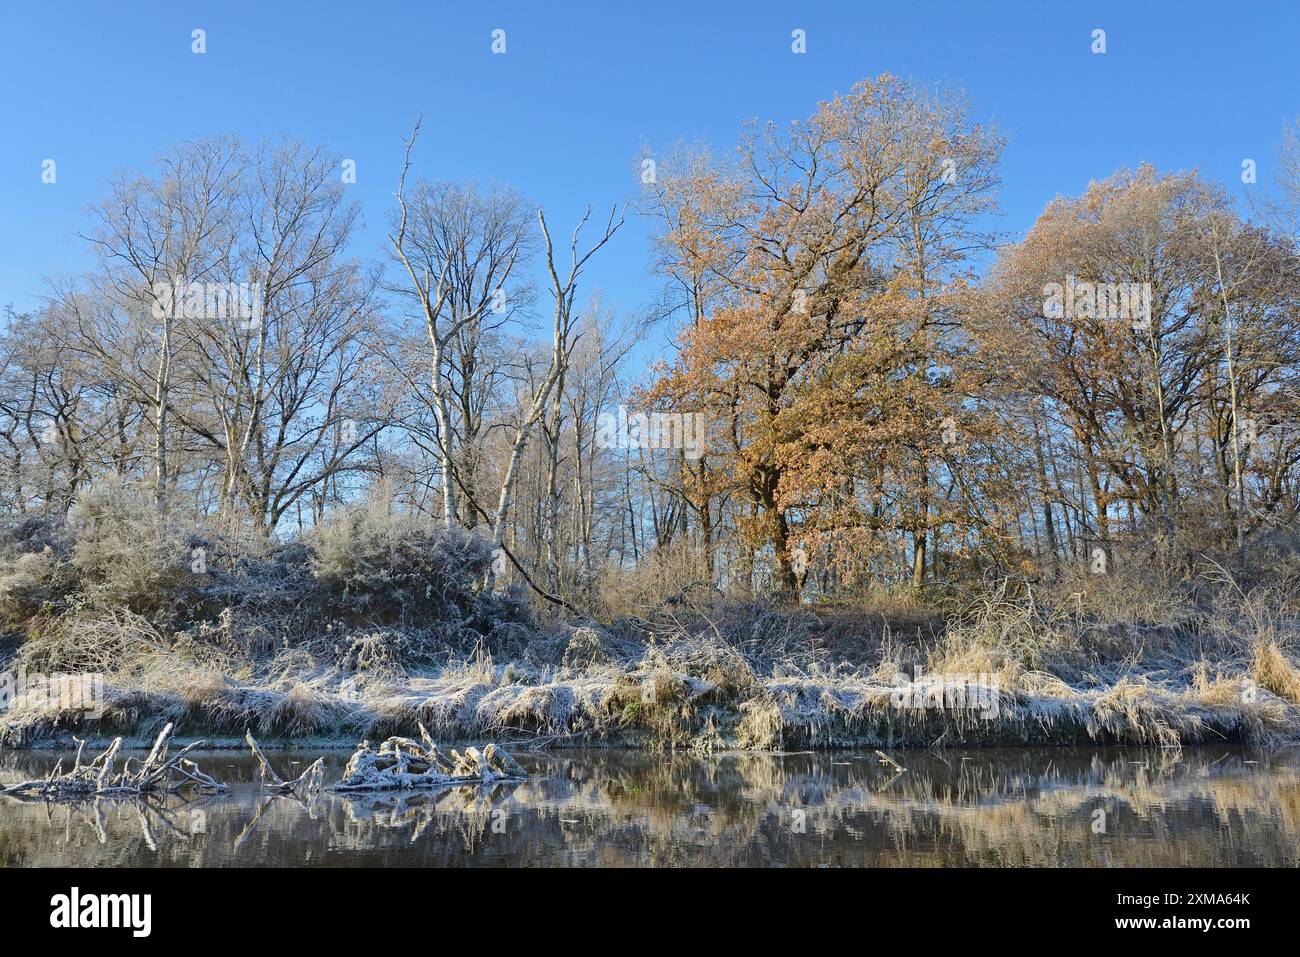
point(878, 392)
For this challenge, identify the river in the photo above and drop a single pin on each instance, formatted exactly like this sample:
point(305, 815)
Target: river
point(1198, 807)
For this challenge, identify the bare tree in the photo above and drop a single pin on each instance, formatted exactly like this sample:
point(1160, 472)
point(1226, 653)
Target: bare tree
point(162, 232)
point(459, 249)
point(563, 291)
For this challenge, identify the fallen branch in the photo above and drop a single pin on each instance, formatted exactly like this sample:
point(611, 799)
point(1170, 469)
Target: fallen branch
point(886, 759)
point(157, 773)
point(401, 763)
point(309, 781)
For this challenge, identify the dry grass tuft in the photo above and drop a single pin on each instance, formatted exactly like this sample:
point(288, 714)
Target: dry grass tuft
point(1273, 671)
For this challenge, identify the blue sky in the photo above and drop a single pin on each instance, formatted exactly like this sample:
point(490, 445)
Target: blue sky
point(564, 114)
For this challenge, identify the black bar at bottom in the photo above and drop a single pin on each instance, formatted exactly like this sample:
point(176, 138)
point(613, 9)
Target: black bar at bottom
point(352, 906)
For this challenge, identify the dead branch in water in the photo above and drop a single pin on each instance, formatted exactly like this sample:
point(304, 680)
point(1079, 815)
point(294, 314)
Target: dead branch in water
point(399, 764)
point(309, 781)
point(402, 763)
point(886, 759)
point(156, 774)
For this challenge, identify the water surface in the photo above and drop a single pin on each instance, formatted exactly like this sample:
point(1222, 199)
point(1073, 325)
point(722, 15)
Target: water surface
point(997, 807)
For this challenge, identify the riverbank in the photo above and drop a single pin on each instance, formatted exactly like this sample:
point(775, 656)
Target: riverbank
point(372, 624)
point(693, 701)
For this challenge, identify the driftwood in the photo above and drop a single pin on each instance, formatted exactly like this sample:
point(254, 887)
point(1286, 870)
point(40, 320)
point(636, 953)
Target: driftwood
point(886, 759)
point(399, 764)
point(309, 781)
point(156, 774)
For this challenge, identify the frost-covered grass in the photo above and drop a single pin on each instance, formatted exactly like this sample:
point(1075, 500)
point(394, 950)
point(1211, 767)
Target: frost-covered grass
point(692, 694)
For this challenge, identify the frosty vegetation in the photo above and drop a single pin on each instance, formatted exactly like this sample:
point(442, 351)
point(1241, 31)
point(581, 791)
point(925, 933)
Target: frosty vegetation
point(376, 624)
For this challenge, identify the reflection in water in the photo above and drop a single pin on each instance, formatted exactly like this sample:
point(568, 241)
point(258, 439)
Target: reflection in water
point(1003, 807)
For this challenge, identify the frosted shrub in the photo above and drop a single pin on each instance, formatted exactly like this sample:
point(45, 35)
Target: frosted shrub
point(124, 553)
point(377, 565)
point(31, 574)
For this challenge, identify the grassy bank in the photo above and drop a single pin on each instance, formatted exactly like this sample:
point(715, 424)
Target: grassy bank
point(652, 705)
point(684, 685)
point(370, 625)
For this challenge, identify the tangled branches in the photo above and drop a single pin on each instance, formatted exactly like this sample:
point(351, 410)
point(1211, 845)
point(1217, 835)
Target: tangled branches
point(156, 774)
point(400, 763)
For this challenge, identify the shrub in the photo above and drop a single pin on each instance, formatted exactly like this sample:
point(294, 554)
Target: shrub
point(126, 555)
point(380, 566)
point(33, 573)
point(663, 576)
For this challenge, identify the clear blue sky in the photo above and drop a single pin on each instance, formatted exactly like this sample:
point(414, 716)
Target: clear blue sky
point(564, 113)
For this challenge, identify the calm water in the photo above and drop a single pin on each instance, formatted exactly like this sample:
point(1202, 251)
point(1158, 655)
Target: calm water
point(1004, 807)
